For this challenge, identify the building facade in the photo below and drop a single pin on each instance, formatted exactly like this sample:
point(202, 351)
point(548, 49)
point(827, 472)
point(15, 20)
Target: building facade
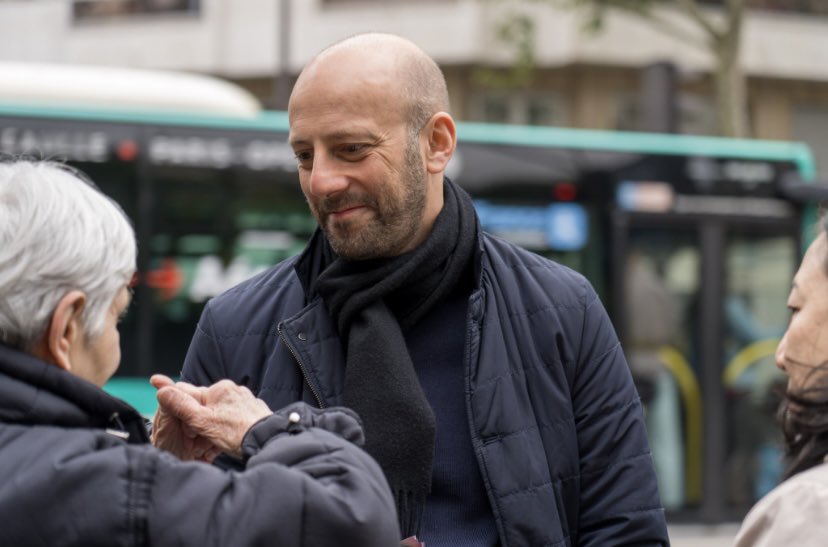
point(577, 78)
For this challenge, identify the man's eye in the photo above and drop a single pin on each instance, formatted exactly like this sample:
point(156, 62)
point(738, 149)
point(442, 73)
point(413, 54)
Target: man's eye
point(352, 149)
point(304, 157)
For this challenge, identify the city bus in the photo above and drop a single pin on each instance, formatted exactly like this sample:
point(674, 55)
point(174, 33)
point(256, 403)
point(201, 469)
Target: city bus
point(691, 242)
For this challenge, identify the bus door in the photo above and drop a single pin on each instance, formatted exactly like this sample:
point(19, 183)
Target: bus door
point(699, 300)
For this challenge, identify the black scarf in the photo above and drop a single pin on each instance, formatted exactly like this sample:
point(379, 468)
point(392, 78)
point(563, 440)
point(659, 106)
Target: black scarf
point(373, 301)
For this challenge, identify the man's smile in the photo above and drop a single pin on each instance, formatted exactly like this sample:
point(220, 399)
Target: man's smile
point(346, 212)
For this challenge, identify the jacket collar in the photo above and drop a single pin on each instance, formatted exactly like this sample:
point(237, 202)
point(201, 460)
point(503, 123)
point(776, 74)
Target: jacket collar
point(35, 392)
point(307, 265)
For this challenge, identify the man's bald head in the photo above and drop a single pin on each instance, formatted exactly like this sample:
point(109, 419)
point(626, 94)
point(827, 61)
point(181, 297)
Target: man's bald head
point(418, 79)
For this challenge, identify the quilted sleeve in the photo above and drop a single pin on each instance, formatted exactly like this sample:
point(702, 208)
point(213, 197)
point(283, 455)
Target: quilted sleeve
point(619, 503)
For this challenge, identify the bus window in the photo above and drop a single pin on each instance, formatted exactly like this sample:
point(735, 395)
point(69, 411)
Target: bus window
point(213, 230)
point(661, 285)
point(759, 272)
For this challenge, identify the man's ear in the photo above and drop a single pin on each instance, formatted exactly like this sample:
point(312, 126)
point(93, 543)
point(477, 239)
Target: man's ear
point(64, 331)
point(441, 141)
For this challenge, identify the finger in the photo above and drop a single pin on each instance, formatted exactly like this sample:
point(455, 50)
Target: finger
point(179, 404)
point(200, 447)
point(160, 380)
point(193, 391)
point(157, 420)
point(188, 431)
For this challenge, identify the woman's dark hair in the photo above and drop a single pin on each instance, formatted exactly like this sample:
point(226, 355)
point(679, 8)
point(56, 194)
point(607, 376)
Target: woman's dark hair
point(804, 417)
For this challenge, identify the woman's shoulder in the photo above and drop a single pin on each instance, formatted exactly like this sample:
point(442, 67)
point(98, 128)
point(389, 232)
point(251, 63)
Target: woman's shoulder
point(793, 512)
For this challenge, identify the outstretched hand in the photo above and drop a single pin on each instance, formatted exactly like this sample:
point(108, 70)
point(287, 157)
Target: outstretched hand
point(199, 423)
point(171, 434)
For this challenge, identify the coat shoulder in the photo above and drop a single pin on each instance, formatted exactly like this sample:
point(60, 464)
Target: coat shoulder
point(250, 306)
point(534, 275)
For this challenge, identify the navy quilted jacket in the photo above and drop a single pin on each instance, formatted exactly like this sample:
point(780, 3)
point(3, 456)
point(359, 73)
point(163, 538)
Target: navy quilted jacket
point(554, 418)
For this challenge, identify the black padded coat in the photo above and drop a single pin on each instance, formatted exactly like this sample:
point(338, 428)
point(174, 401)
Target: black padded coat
point(76, 470)
point(554, 418)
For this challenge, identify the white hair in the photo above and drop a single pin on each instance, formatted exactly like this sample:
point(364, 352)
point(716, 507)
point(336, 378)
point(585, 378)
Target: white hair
point(58, 233)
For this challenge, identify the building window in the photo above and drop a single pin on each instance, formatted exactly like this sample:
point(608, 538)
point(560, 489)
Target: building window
point(87, 10)
point(809, 124)
point(519, 108)
point(696, 114)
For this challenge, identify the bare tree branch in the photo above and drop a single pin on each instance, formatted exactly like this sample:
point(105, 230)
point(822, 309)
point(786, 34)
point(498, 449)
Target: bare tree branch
point(735, 14)
point(662, 24)
point(695, 12)
point(719, 37)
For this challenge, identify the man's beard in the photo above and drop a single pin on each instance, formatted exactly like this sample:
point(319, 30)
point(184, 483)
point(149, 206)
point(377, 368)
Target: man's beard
point(398, 211)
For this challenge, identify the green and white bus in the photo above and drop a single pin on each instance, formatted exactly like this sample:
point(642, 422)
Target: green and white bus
point(691, 242)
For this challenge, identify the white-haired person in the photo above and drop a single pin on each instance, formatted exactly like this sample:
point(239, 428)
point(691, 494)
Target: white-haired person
point(76, 464)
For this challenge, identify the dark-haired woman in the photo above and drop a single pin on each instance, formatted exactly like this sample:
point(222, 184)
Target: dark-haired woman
point(796, 511)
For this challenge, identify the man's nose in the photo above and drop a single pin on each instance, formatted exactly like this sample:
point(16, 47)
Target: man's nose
point(326, 177)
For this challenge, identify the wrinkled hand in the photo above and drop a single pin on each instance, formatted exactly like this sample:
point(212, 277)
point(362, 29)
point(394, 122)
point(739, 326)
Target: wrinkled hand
point(171, 434)
point(220, 414)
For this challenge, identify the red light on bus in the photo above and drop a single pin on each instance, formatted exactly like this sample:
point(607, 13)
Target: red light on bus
point(127, 150)
point(167, 278)
point(564, 191)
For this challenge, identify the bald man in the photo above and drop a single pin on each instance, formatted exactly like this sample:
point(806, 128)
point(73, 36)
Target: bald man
point(491, 385)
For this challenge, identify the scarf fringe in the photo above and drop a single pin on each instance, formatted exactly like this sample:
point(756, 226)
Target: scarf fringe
point(410, 508)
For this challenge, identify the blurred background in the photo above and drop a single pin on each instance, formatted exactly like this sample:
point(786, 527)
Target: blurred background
point(672, 151)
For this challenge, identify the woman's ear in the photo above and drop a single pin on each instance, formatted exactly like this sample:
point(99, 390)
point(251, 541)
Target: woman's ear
point(65, 330)
point(441, 142)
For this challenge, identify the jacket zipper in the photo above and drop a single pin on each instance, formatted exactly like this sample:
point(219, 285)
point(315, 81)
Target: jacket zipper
point(301, 366)
point(117, 430)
